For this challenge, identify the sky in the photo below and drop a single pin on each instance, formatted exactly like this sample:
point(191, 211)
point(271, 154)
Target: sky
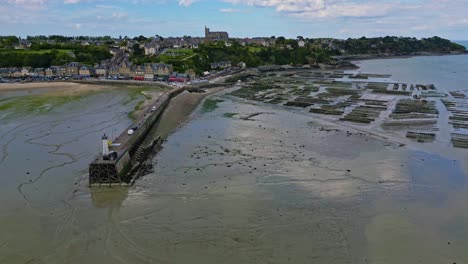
point(240, 18)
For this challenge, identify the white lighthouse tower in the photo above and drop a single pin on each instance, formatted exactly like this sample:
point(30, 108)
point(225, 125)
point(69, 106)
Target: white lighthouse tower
point(105, 147)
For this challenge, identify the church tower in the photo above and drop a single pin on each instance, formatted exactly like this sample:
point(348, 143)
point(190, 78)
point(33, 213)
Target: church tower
point(207, 32)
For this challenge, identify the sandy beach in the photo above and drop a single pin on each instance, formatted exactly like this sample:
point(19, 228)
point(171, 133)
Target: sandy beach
point(55, 88)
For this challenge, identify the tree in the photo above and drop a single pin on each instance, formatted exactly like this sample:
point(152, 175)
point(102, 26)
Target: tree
point(8, 41)
point(137, 51)
point(140, 38)
point(280, 40)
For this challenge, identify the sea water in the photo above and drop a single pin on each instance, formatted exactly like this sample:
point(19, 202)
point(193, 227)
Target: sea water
point(446, 72)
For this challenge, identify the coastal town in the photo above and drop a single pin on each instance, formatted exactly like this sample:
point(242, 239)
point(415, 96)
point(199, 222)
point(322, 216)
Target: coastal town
point(181, 59)
point(119, 67)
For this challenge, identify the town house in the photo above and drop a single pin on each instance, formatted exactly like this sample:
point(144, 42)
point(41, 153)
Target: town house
point(86, 71)
point(114, 71)
point(100, 70)
point(72, 68)
point(125, 69)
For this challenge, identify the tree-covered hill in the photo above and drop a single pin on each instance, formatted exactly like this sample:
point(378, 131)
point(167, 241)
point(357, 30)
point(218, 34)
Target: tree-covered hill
point(45, 51)
point(395, 46)
point(252, 56)
point(46, 55)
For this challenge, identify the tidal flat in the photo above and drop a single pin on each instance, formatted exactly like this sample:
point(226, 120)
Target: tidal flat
point(269, 185)
point(241, 181)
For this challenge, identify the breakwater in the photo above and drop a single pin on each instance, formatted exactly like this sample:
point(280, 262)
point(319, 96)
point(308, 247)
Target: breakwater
point(130, 150)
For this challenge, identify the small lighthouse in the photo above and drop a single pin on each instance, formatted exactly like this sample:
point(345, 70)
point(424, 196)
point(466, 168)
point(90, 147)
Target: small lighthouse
point(105, 146)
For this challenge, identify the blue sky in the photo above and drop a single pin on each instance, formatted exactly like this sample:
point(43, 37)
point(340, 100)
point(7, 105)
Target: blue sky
point(241, 18)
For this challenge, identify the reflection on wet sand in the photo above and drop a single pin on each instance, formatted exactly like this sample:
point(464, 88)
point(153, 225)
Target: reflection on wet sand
point(112, 197)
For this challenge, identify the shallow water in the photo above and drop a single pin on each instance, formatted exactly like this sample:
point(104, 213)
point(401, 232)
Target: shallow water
point(280, 187)
point(445, 72)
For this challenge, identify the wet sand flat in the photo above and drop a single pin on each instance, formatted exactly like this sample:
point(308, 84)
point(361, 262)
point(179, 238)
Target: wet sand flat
point(282, 187)
point(43, 162)
point(58, 87)
point(240, 182)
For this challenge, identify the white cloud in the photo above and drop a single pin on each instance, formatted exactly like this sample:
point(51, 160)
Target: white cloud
point(71, 1)
point(326, 8)
point(420, 28)
point(285, 5)
point(308, 17)
point(187, 2)
point(458, 22)
point(368, 17)
point(27, 2)
point(231, 10)
point(119, 15)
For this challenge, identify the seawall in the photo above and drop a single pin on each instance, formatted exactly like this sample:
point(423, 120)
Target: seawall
point(131, 150)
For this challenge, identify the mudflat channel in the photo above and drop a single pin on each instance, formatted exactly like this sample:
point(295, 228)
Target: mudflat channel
point(241, 181)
